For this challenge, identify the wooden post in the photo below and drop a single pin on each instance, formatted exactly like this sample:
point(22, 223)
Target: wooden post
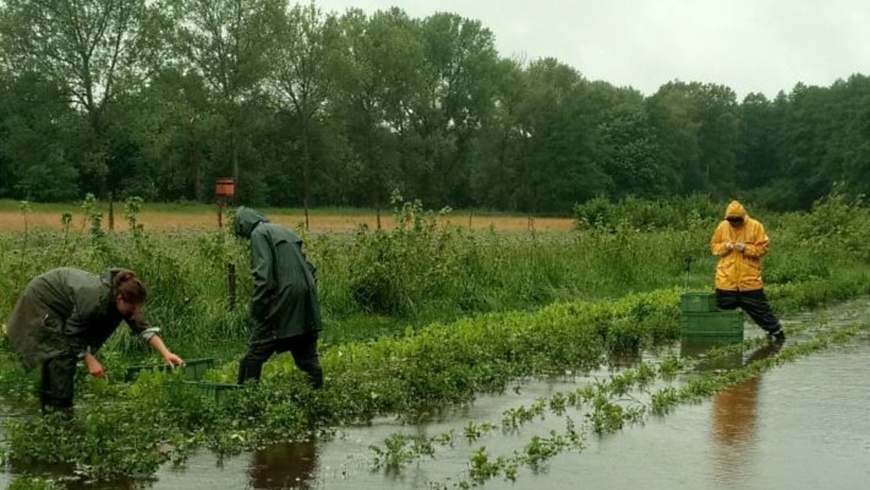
point(111, 212)
point(220, 212)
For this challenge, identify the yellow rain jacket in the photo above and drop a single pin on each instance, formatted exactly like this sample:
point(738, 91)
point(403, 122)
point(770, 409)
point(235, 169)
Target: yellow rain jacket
point(739, 271)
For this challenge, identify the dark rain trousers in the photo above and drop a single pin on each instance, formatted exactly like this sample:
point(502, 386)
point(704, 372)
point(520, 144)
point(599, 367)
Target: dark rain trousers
point(754, 303)
point(58, 383)
point(302, 347)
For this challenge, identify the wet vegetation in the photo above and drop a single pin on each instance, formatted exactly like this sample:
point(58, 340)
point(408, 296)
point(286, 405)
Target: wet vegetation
point(420, 319)
point(607, 410)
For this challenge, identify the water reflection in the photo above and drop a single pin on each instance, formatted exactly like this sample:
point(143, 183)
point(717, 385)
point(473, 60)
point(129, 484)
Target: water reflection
point(284, 466)
point(735, 413)
point(694, 347)
point(624, 359)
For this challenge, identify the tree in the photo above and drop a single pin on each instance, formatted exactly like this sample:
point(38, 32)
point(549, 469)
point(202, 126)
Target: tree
point(301, 80)
point(494, 175)
point(671, 114)
point(630, 152)
point(717, 112)
point(809, 127)
point(176, 128)
point(758, 164)
point(461, 62)
point(854, 144)
point(93, 47)
point(379, 71)
point(556, 166)
point(36, 123)
point(231, 45)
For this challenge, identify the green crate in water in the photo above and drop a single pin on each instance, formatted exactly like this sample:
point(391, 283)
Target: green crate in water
point(212, 391)
point(698, 302)
point(193, 369)
point(724, 323)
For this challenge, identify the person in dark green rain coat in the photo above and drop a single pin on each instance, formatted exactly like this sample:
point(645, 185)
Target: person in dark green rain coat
point(66, 315)
point(284, 305)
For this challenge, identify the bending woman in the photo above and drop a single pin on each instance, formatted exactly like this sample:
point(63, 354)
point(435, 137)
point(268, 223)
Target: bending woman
point(66, 315)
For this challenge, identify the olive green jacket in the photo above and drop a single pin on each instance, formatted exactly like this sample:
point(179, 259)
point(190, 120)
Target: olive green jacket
point(67, 312)
point(284, 303)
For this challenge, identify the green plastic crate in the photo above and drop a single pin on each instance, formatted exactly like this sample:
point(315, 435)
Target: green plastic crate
point(212, 391)
point(698, 302)
point(193, 369)
point(725, 324)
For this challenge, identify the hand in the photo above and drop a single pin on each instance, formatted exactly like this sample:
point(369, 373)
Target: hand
point(729, 246)
point(94, 367)
point(740, 246)
point(173, 360)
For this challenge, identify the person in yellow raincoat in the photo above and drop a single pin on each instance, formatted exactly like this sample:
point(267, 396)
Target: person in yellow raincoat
point(740, 242)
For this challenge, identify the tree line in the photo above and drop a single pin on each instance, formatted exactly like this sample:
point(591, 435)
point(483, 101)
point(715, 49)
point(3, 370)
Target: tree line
point(307, 107)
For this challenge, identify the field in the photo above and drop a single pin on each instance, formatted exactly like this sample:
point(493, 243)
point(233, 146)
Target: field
point(420, 317)
point(202, 217)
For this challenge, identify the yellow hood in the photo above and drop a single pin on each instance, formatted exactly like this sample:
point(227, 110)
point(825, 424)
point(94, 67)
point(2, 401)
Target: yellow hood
point(736, 209)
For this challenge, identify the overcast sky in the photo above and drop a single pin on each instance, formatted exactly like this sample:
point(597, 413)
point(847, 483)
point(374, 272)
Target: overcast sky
point(749, 45)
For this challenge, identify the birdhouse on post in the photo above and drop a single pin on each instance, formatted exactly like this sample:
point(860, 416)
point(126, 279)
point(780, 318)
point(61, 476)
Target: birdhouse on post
point(225, 191)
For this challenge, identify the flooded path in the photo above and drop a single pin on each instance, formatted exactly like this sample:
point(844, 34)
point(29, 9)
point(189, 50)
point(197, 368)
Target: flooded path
point(803, 425)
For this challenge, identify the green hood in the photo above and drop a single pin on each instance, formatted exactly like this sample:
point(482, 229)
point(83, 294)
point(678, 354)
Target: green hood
point(246, 220)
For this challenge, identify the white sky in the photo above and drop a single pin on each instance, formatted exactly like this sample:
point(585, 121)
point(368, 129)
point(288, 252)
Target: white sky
point(749, 45)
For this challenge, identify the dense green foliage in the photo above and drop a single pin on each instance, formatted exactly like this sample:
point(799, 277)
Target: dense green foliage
point(157, 99)
point(618, 280)
point(420, 271)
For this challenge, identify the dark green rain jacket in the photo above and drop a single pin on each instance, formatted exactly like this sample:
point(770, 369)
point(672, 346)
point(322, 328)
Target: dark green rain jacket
point(284, 303)
point(67, 312)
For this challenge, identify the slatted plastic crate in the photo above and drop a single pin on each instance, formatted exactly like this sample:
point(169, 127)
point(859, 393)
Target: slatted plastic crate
point(213, 391)
point(698, 302)
point(193, 369)
point(723, 324)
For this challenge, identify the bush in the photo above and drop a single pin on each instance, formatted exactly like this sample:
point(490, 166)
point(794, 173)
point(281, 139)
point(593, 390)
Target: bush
point(394, 272)
point(645, 215)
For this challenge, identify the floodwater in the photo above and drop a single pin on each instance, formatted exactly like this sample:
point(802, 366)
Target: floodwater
point(803, 425)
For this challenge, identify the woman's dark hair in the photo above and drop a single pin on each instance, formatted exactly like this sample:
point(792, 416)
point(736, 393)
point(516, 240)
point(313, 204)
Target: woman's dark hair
point(131, 289)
